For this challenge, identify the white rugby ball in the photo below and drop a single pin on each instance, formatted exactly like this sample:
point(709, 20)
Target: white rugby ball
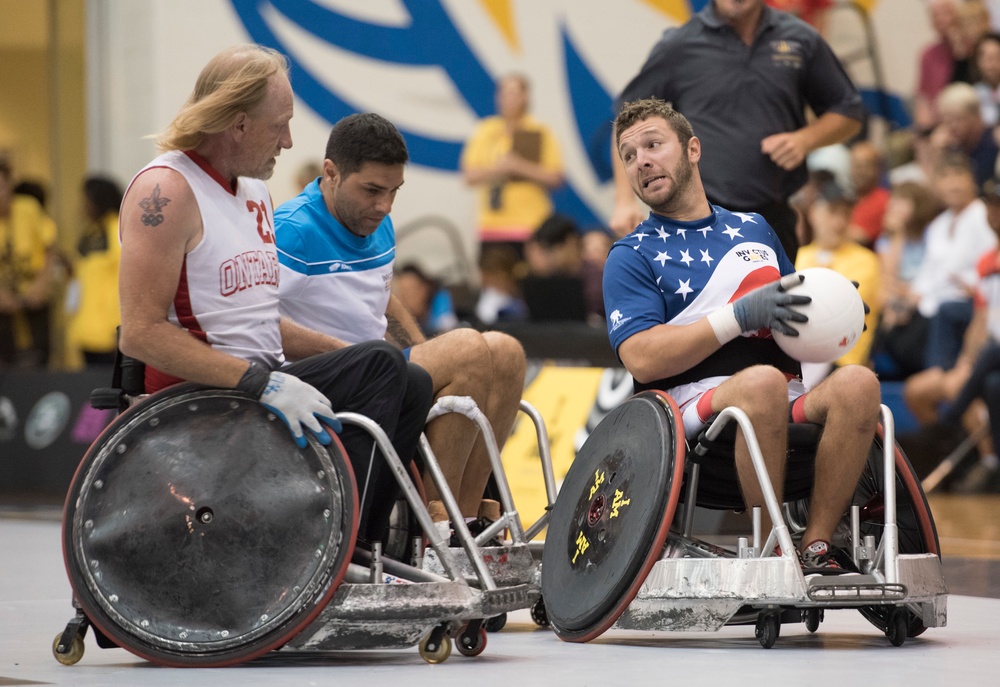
point(836, 317)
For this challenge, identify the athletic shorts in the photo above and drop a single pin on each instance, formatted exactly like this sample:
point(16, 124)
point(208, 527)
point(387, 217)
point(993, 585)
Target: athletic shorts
point(695, 402)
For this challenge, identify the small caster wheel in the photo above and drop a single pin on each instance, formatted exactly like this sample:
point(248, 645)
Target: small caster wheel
point(767, 629)
point(471, 643)
point(435, 649)
point(74, 652)
point(897, 627)
point(812, 617)
point(496, 623)
point(539, 614)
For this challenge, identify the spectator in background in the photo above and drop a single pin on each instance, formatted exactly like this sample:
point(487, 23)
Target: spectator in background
point(937, 61)
point(830, 217)
point(940, 296)
point(429, 302)
point(963, 130)
point(919, 158)
point(975, 377)
point(28, 260)
point(513, 162)
point(973, 24)
point(803, 200)
point(95, 319)
point(555, 251)
point(34, 189)
point(900, 248)
point(500, 295)
point(870, 198)
point(988, 71)
point(306, 174)
point(749, 74)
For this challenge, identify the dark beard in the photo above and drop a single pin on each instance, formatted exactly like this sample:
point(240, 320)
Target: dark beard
point(681, 176)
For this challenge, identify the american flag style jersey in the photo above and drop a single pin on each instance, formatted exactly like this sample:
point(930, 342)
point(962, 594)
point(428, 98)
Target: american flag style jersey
point(670, 272)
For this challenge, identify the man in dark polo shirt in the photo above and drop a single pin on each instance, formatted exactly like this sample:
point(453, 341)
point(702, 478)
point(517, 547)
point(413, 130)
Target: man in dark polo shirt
point(744, 74)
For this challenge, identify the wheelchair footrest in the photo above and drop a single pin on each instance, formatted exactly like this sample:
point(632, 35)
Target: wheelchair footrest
point(848, 588)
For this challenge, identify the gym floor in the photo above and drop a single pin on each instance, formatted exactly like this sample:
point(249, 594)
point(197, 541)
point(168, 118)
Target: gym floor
point(35, 605)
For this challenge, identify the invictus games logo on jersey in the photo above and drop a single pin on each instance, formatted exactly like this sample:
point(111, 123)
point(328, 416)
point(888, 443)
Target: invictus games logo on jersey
point(786, 53)
point(47, 420)
point(752, 254)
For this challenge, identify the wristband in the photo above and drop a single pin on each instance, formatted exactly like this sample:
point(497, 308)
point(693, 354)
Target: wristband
point(254, 381)
point(724, 324)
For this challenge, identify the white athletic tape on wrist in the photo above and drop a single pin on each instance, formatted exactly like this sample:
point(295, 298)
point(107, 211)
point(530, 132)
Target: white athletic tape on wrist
point(724, 324)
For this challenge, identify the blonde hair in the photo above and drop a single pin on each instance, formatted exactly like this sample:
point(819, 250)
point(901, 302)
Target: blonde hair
point(233, 81)
point(958, 98)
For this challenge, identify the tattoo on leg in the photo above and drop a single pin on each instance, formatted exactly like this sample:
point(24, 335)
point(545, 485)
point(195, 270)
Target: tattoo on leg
point(153, 207)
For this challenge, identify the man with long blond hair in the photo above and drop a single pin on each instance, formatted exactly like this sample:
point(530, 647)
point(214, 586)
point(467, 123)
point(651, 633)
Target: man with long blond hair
point(199, 280)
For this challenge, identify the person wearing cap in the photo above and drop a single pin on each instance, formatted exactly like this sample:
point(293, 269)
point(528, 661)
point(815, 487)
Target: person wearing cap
point(975, 378)
point(829, 216)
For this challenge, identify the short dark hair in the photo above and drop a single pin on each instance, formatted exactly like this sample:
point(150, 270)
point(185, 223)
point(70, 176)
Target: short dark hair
point(555, 230)
point(834, 195)
point(365, 137)
point(35, 189)
point(647, 108)
point(104, 194)
point(5, 170)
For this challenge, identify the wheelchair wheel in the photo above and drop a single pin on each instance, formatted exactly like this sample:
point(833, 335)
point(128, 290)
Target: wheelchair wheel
point(612, 516)
point(915, 526)
point(196, 533)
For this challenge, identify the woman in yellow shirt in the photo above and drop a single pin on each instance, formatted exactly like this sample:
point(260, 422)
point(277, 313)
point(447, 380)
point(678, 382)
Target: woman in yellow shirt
point(513, 161)
point(93, 326)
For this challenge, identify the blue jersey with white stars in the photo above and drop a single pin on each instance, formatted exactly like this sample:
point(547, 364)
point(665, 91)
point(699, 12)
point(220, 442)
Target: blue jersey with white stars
point(670, 272)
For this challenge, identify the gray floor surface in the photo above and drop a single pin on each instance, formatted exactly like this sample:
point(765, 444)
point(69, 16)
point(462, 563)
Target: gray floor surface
point(34, 607)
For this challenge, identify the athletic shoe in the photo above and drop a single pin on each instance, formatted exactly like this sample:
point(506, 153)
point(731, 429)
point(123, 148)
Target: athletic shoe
point(818, 559)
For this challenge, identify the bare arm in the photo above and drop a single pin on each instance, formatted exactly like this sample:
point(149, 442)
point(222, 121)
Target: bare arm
point(666, 350)
point(301, 342)
point(403, 330)
point(155, 240)
point(513, 167)
point(788, 150)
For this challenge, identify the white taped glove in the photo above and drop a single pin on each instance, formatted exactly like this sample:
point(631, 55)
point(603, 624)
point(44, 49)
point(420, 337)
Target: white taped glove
point(299, 405)
point(765, 307)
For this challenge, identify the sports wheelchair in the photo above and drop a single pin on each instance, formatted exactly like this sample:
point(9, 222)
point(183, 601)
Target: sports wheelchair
point(196, 533)
point(620, 552)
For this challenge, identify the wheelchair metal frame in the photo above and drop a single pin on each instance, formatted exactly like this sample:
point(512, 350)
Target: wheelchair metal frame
point(698, 586)
point(450, 594)
point(390, 604)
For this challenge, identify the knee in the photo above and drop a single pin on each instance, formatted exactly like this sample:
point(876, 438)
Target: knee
point(856, 390)
point(507, 354)
point(764, 391)
point(921, 386)
point(384, 356)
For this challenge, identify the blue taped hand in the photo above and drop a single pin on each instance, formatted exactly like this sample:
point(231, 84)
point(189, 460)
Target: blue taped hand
point(300, 406)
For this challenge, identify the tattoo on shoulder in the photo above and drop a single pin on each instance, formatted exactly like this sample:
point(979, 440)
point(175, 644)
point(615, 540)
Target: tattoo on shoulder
point(153, 206)
point(396, 333)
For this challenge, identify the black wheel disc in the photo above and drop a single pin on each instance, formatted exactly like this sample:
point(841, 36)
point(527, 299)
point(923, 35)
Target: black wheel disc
point(197, 533)
point(612, 516)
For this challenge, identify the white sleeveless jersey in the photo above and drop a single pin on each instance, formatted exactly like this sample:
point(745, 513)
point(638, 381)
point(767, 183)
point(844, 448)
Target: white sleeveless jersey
point(227, 294)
